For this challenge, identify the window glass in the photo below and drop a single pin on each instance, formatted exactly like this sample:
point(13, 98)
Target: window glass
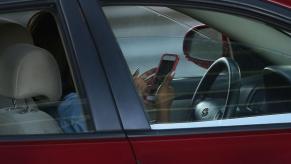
point(198, 68)
point(38, 94)
point(158, 33)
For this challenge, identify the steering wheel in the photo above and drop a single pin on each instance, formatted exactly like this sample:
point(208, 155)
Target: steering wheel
point(208, 108)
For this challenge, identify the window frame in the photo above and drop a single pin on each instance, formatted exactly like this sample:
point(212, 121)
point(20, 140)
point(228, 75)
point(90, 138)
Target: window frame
point(83, 51)
point(258, 10)
point(77, 40)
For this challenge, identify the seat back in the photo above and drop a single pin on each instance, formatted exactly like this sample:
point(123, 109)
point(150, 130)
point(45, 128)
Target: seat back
point(26, 72)
point(11, 33)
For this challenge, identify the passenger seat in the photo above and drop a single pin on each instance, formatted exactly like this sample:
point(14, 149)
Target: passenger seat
point(11, 33)
point(26, 72)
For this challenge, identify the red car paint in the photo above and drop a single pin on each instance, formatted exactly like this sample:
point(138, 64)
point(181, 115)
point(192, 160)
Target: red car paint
point(239, 148)
point(285, 3)
point(67, 152)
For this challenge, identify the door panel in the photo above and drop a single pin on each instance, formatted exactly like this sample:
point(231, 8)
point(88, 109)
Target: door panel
point(75, 148)
point(252, 147)
point(73, 152)
point(240, 148)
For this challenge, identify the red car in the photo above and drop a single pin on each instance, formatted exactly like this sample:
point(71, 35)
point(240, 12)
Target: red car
point(85, 81)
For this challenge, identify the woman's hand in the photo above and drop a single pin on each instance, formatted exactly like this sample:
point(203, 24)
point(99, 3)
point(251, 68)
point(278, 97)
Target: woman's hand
point(140, 85)
point(165, 96)
point(142, 81)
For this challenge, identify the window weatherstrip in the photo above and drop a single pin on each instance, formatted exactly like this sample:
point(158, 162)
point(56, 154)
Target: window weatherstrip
point(258, 120)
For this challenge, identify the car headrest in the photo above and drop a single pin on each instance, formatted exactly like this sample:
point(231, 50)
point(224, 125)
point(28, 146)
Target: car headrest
point(28, 71)
point(12, 33)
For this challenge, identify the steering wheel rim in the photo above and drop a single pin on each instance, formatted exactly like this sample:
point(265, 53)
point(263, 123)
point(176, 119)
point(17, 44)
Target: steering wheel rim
point(232, 98)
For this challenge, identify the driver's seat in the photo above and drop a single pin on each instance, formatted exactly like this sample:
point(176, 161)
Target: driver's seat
point(27, 72)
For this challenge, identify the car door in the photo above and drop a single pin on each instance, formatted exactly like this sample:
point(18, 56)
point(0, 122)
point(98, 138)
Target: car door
point(106, 141)
point(259, 140)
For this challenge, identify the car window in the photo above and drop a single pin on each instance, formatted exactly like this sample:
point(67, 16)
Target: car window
point(198, 68)
point(38, 93)
point(160, 25)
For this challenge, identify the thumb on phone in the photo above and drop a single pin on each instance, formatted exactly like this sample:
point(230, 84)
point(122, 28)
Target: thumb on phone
point(168, 78)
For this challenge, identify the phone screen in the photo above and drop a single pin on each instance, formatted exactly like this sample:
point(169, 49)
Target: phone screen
point(165, 67)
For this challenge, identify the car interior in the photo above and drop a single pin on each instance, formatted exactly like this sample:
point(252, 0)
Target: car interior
point(35, 73)
point(261, 56)
point(252, 79)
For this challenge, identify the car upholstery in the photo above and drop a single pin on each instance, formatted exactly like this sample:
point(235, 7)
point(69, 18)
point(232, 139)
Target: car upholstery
point(27, 71)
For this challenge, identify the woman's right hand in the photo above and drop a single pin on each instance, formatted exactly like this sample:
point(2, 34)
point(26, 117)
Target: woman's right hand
point(165, 93)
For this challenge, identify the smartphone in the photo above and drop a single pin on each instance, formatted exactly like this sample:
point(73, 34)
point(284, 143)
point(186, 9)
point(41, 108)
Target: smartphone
point(168, 63)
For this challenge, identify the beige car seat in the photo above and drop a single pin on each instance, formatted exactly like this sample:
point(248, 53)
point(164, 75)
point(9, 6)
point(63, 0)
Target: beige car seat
point(11, 33)
point(27, 71)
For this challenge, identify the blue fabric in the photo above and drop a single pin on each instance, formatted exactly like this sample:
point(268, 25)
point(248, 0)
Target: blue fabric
point(71, 117)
